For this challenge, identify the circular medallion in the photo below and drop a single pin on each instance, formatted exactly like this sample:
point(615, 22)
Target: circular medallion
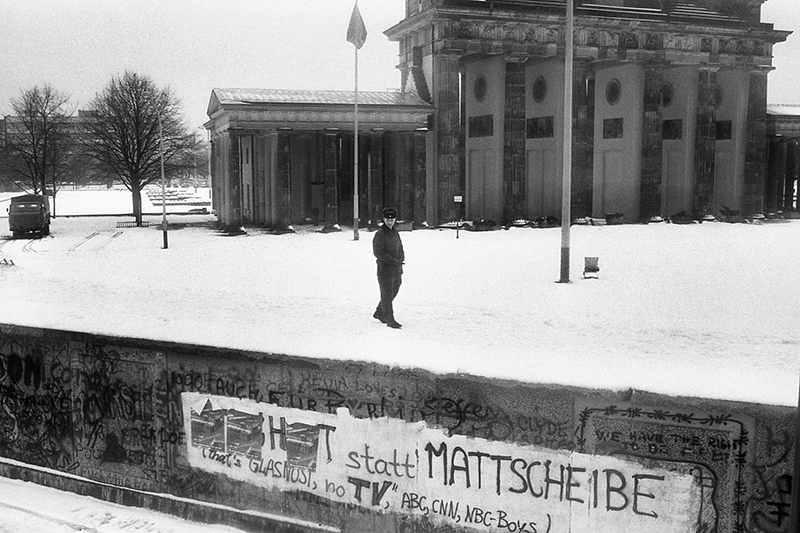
point(480, 88)
point(613, 91)
point(539, 89)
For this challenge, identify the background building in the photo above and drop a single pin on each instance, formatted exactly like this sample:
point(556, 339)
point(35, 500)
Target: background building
point(669, 115)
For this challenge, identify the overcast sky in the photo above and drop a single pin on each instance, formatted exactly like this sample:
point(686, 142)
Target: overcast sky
point(194, 46)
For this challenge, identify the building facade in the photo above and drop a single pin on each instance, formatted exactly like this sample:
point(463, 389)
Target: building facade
point(669, 104)
point(286, 157)
point(669, 113)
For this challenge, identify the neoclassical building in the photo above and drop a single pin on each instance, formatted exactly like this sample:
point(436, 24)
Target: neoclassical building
point(282, 157)
point(669, 115)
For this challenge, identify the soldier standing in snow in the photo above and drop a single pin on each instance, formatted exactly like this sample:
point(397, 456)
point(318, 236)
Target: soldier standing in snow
point(388, 250)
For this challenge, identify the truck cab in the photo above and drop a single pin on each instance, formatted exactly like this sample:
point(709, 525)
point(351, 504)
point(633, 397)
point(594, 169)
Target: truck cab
point(29, 213)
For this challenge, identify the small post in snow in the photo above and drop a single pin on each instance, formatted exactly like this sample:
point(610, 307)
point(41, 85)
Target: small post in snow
point(458, 199)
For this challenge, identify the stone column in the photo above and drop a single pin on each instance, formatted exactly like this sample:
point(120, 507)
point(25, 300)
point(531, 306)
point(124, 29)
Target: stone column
point(260, 184)
point(652, 142)
point(218, 191)
point(790, 173)
point(404, 175)
point(420, 177)
point(582, 139)
point(234, 221)
point(776, 175)
point(330, 157)
point(375, 179)
point(755, 159)
point(283, 184)
point(514, 141)
point(449, 175)
point(705, 142)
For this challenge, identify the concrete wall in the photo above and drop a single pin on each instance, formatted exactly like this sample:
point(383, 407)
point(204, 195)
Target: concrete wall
point(360, 447)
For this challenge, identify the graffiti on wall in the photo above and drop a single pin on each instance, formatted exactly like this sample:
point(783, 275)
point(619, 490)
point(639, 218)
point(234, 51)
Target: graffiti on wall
point(36, 404)
point(712, 448)
point(372, 391)
point(392, 466)
point(118, 436)
point(770, 502)
point(340, 441)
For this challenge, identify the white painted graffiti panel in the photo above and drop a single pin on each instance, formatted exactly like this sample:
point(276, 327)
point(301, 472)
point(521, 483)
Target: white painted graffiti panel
point(388, 465)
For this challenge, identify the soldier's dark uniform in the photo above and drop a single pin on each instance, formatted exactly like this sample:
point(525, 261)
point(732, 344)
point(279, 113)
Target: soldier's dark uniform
point(388, 250)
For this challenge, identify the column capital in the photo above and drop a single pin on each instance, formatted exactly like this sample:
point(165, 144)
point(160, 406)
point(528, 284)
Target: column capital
point(761, 69)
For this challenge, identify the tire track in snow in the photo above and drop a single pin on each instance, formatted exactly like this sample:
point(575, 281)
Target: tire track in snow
point(84, 241)
point(99, 241)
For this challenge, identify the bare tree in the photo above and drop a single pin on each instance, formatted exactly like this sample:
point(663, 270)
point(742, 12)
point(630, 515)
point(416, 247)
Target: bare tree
point(37, 139)
point(123, 135)
point(195, 163)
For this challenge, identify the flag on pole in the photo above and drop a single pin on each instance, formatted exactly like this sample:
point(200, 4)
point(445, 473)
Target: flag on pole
point(356, 31)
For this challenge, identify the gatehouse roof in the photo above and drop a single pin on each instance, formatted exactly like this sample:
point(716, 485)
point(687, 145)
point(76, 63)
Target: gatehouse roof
point(222, 97)
point(307, 109)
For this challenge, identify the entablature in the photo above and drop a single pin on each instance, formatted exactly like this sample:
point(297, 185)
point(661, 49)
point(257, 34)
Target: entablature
point(317, 120)
point(445, 28)
point(606, 40)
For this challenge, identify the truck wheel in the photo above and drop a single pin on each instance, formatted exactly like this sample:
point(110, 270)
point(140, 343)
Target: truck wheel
point(46, 230)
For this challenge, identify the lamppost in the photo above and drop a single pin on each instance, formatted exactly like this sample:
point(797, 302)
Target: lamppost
point(566, 187)
point(163, 181)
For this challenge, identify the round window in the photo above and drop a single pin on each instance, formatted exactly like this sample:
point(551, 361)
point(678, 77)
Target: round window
point(480, 88)
point(613, 91)
point(539, 89)
point(667, 93)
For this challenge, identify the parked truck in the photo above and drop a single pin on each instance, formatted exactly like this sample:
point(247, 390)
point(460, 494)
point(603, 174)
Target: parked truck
point(29, 213)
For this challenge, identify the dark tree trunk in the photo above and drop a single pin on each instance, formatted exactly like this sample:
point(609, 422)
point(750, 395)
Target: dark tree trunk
point(137, 205)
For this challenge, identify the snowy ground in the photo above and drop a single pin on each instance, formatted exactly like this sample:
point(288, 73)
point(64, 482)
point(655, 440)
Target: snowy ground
point(709, 310)
point(30, 508)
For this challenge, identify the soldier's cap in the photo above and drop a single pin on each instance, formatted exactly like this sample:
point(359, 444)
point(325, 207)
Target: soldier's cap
point(389, 212)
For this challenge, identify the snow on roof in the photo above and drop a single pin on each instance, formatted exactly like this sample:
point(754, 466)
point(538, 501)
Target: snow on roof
point(297, 97)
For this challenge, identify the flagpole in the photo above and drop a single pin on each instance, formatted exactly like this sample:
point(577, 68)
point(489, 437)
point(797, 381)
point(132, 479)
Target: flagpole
point(566, 189)
point(356, 34)
point(355, 153)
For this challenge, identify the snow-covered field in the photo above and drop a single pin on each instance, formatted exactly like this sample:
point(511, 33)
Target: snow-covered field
point(709, 310)
point(116, 201)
